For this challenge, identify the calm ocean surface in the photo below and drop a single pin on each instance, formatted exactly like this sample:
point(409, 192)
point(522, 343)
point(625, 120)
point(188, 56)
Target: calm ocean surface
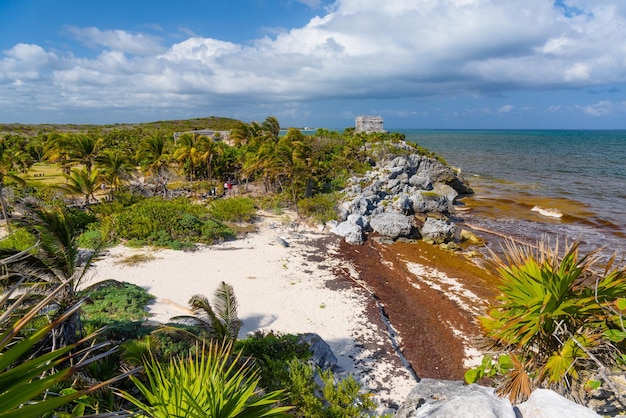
point(579, 174)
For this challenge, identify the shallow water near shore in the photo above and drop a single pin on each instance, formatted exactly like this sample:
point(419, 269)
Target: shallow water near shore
point(529, 184)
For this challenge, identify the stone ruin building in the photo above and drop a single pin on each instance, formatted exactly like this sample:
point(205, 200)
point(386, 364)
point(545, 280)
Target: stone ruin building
point(369, 124)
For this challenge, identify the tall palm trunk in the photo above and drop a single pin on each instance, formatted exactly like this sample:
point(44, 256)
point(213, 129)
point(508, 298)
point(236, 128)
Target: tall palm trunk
point(5, 212)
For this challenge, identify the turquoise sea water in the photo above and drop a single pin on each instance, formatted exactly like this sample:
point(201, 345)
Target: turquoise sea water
point(579, 174)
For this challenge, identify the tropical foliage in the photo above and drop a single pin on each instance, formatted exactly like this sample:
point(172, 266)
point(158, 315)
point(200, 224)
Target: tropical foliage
point(208, 382)
point(555, 318)
point(218, 321)
point(27, 376)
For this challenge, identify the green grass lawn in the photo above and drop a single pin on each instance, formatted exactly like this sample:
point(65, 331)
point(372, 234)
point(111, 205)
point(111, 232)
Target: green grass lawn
point(45, 174)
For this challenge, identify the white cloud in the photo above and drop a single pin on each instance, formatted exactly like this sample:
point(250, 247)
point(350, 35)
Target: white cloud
point(604, 108)
point(357, 49)
point(117, 40)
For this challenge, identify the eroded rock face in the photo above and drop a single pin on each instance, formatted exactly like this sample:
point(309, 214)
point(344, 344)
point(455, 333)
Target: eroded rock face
point(442, 398)
point(391, 225)
point(445, 399)
point(544, 403)
point(399, 188)
point(437, 231)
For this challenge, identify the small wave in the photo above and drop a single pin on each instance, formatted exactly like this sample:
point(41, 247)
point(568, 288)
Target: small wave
point(552, 213)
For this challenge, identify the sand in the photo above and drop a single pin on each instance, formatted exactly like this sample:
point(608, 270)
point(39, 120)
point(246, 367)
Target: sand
point(299, 288)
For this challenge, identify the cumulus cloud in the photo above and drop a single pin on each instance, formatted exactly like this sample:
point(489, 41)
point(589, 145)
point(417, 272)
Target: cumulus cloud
point(355, 49)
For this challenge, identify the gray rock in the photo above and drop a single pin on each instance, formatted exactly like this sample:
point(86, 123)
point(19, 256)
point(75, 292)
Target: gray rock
point(421, 181)
point(544, 403)
point(445, 399)
point(437, 230)
point(445, 190)
point(429, 202)
point(392, 225)
point(321, 354)
point(282, 241)
point(403, 204)
point(360, 205)
point(353, 233)
point(358, 220)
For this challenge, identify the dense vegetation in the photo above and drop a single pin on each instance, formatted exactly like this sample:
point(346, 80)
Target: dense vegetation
point(68, 191)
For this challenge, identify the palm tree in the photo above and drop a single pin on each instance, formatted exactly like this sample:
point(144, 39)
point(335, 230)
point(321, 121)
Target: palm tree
point(82, 149)
point(218, 322)
point(187, 154)
point(209, 149)
point(56, 260)
point(6, 171)
point(154, 158)
point(82, 182)
point(115, 167)
point(56, 150)
point(153, 155)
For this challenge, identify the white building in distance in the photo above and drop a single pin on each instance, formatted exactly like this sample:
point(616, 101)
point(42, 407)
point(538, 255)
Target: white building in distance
point(369, 124)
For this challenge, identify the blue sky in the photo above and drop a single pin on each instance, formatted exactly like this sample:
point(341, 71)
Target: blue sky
point(533, 64)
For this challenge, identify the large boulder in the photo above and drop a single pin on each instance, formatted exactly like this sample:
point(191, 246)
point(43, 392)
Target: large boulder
point(352, 232)
point(437, 231)
point(444, 399)
point(544, 403)
point(391, 225)
point(430, 202)
point(321, 354)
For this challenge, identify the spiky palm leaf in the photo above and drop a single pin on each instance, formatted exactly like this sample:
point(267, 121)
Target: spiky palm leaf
point(219, 321)
point(208, 382)
point(25, 377)
point(549, 300)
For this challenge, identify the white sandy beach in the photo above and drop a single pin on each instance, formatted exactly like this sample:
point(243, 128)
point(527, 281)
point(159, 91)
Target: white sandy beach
point(278, 288)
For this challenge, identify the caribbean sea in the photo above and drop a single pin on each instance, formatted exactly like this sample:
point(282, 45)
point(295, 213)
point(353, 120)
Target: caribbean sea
point(560, 184)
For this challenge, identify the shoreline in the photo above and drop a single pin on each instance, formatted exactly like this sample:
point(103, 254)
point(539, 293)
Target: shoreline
point(286, 289)
point(318, 283)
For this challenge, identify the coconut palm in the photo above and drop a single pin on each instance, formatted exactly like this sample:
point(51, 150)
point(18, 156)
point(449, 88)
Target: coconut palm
point(154, 159)
point(207, 383)
point(153, 155)
point(219, 321)
point(6, 172)
point(188, 154)
point(83, 150)
point(553, 314)
point(56, 150)
point(82, 182)
point(115, 168)
point(209, 150)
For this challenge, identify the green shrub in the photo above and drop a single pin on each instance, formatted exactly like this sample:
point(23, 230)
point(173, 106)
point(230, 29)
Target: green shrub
point(239, 209)
point(19, 240)
point(320, 208)
point(175, 224)
point(557, 309)
point(270, 353)
point(90, 239)
point(114, 304)
point(341, 398)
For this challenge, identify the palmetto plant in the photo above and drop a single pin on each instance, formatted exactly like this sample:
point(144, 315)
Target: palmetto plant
point(56, 260)
point(552, 315)
point(207, 383)
point(26, 378)
point(219, 321)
